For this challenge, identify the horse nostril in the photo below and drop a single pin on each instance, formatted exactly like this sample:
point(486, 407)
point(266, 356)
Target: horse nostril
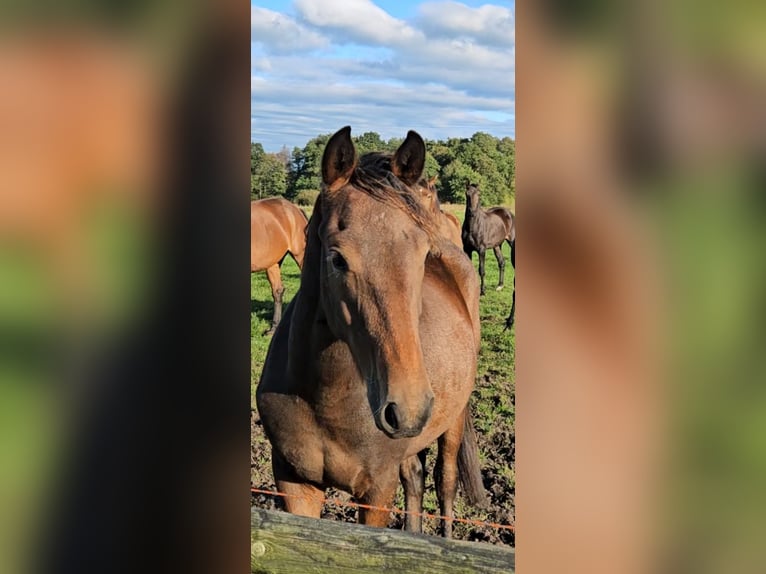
point(389, 414)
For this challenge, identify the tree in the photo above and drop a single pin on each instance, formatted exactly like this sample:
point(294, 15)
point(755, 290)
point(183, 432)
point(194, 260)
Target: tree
point(256, 156)
point(440, 151)
point(432, 167)
point(393, 144)
point(481, 155)
point(368, 142)
point(454, 179)
point(306, 172)
point(268, 173)
point(284, 156)
point(507, 166)
point(482, 159)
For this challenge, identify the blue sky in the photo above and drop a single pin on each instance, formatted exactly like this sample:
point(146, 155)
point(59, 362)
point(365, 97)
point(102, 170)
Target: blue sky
point(441, 67)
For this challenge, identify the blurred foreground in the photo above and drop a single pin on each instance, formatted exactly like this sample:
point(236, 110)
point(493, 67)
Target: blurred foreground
point(641, 403)
point(121, 189)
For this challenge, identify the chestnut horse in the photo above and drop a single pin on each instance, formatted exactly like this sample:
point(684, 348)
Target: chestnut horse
point(486, 229)
point(277, 227)
point(376, 356)
point(449, 225)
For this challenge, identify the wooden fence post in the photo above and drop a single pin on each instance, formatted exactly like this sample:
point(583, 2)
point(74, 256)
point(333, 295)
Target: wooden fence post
point(284, 543)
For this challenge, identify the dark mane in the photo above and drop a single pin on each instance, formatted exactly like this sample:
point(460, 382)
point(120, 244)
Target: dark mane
point(373, 176)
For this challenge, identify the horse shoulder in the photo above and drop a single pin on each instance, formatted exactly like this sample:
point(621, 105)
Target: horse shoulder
point(287, 418)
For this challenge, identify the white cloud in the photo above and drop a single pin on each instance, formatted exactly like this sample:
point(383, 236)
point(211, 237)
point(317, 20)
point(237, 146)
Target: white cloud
point(337, 90)
point(261, 64)
point(466, 63)
point(448, 73)
point(358, 20)
point(279, 33)
point(487, 24)
point(306, 102)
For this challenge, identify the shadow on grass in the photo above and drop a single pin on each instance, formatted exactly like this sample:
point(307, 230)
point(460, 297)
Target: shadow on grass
point(263, 309)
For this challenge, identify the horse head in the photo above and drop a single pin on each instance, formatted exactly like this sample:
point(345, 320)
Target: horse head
point(375, 237)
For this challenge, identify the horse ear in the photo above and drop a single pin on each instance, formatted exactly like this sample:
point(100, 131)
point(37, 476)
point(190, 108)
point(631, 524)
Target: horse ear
point(432, 181)
point(339, 159)
point(410, 159)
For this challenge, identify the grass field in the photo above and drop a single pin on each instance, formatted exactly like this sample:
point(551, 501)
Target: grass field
point(492, 403)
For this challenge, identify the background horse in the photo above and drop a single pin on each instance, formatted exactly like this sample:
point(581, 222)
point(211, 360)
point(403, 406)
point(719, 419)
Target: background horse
point(510, 319)
point(277, 227)
point(486, 229)
point(376, 356)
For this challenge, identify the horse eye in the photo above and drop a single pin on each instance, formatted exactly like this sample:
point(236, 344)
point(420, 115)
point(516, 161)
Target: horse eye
point(338, 262)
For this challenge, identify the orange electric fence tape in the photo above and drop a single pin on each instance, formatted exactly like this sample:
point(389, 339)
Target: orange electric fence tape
point(339, 502)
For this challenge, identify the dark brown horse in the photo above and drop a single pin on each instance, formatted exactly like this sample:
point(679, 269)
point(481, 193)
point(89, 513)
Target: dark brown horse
point(486, 229)
point(511, 316)
point(277, 227)
point(376, 356)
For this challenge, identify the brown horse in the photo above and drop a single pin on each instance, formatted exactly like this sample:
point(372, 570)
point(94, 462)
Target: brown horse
point(486, 229)
point(376, 356)
point(449, 225)
point(277, 227)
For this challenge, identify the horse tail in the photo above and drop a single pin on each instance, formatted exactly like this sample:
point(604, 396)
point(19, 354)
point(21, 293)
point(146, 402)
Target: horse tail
point(469, 469)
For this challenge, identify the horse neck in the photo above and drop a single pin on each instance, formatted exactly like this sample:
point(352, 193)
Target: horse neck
point(306, 324)
point(468, 209)
point(472, 208)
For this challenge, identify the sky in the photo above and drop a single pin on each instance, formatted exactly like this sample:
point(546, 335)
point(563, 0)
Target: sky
point(440, 67)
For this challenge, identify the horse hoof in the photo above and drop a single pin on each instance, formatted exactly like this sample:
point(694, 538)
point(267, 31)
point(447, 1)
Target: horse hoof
point(499, 288)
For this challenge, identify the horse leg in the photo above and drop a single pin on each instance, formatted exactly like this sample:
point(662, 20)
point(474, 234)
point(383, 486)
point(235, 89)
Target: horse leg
point(501, 265)
point(381, 494)
point(301, 498)
point(414, 482)
point(298, 258)
point(512, 316)
point(510, 319)
point(481, 269)
point(275, 280)
point(513, 307)
point(445, 472)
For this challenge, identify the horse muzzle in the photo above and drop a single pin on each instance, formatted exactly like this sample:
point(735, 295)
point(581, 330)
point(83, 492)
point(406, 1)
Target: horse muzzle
point(398, 422)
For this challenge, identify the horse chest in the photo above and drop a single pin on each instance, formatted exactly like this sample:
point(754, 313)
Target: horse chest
point(355, 450)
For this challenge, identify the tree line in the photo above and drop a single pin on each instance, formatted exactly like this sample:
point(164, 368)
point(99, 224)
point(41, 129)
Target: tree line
point(482, 159)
